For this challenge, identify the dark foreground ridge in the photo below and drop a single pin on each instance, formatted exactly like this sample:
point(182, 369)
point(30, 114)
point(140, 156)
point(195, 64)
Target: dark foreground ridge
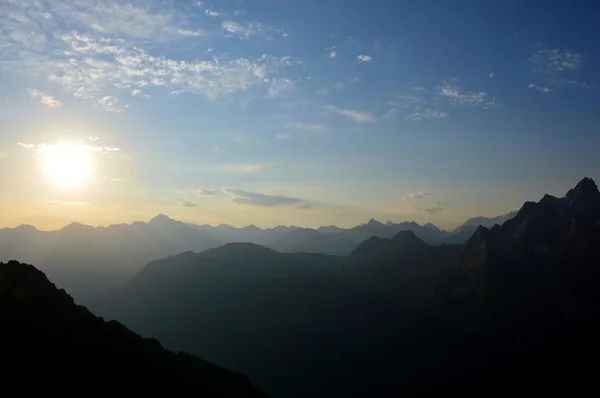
point(45, 337)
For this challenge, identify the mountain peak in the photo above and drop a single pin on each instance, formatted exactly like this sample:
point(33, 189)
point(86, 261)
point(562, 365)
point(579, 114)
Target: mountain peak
point(584, 188)
point(76, 226)
point(160, 218)
point(432, 226)
point(25, 227)
point(407, 237)
point(373, 222)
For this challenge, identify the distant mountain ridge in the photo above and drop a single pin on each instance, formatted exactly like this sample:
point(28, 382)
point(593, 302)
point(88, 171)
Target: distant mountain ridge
point(87, 260)
point(512, 309)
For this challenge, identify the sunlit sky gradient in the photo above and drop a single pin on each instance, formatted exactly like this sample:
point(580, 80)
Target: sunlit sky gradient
point(296, 112)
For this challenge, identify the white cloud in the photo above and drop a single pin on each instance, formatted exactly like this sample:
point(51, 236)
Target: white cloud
point(556, 68)
point(42, 147)
point(279, 85)
point(106, 51)
point(136, 91)
point(314, 127)
point(332, 52)
point(541, 89)
point(190, 33)
point(417, 195)
point(245, 168)
point(453, 95)
point(237, 28)
point(115, 17)
point(427, 113)
point(359, 116)
point(413, 106)
point(211, 13)
point(93, 69)
point(109, 103)
point(252, 168)
point(364, 58)
point(45, 99)
point(283, 136)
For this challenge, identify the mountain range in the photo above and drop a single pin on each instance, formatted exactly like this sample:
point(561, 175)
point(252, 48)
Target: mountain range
point(512, 309)
point(88, 260)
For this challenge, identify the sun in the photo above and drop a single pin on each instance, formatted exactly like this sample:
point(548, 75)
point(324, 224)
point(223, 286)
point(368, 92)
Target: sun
point(67, 165)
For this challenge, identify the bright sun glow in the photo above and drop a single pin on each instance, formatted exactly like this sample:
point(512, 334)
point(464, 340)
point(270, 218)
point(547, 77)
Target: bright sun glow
point(67, 165)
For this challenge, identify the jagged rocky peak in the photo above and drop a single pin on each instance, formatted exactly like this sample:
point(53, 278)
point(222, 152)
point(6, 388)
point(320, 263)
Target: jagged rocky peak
point(586, 188)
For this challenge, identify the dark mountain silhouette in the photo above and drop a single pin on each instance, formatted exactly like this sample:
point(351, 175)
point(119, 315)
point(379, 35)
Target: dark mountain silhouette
point(272, 315)
point(247, 307)
point(46, 338)
point(511, 310)
point(524, 297)
point(462, 233)
point(403, 268)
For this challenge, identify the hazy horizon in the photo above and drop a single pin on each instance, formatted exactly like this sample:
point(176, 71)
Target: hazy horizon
point(308, 114)
point(216, 225)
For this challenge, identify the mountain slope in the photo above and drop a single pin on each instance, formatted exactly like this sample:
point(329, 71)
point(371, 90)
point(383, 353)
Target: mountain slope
point(462, 233)
point(403, 268)
point(47, 336)
point(524, 297)
point(544, 259)
point(312, 241)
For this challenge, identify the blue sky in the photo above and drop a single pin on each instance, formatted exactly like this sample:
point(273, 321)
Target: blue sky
point(308, 113)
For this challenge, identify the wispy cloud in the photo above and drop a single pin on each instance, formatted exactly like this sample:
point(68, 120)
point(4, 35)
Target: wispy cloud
point(541, 89)
point(188, 203)
point(205, 192)
point(70, 204)
point(261, 199)
point(556, 68)
point(413, 106)
point(283, 136)
point(364, 58)
point(109, 49)
point(417, 195)
point(211, 13)
point(314, 127)
point(421, 102)
point(331, 52)
point(137, 20)
point(456, 96)
point(279, 85)
point(359, 116)
point(245, 31)
point(190, 33)
point(250, 168)
point(43, 147)
point(433, 210)
point(45, 99)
